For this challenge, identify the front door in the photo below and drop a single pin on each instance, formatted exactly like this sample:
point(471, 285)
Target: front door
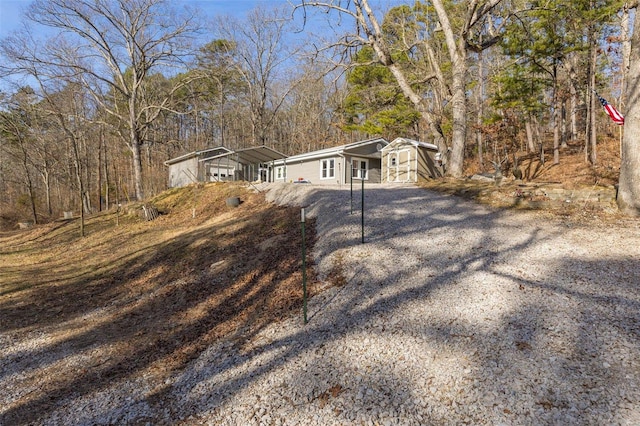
point(399, 166)
point(359, 168)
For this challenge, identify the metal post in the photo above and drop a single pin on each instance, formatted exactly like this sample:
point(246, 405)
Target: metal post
point(362, 209)
point(351, 172)
point(304, 269)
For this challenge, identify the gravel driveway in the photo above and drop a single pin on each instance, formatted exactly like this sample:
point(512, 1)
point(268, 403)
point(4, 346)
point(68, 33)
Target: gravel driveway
point(452, 313)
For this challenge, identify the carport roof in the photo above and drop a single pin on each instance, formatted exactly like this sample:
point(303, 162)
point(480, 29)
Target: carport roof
point(216, 151)
point(254, 155)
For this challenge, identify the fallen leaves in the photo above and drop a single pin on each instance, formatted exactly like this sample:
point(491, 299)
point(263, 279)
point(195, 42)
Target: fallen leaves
point(332, 392)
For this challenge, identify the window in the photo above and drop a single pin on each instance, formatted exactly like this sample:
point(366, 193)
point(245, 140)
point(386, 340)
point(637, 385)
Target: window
point(279, 172)
point(393, 160)
point(327, 168)
point(359, 169)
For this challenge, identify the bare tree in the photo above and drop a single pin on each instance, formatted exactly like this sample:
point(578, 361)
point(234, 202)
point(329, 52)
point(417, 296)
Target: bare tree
point(307, 121)
point(264, 57)
point(23, 125)
point(14, 130)
point(111, 47)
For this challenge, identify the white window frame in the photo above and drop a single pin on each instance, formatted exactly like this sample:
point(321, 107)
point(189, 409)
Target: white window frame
point(328, 165)
point(279, 172)
point(358, 174)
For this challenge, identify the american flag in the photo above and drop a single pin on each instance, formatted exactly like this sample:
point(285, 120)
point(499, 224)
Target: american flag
point(612, 111)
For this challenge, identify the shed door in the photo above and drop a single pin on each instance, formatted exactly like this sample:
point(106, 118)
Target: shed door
point(399, 166)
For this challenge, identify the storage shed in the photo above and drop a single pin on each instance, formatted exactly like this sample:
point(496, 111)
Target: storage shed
point(406, 160)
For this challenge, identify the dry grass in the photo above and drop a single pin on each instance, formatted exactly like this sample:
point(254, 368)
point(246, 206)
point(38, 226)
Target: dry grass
point(572, 173)
point(144, 298)
point(573, 169)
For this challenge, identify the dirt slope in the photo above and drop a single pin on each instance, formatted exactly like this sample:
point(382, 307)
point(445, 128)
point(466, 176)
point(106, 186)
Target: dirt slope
point(142, 298)
point(574, 188)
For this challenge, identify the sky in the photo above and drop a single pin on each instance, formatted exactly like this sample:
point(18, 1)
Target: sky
point(11, 10)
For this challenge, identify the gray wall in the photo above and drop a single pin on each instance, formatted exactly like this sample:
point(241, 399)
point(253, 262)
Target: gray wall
point(183, 173)
point(374, 172)
point(310, 170)
point(427, 168)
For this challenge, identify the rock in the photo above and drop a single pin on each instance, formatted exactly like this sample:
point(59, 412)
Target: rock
point(483, 178)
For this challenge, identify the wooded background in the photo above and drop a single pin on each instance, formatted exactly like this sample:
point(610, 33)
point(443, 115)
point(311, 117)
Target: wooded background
point(97, 94)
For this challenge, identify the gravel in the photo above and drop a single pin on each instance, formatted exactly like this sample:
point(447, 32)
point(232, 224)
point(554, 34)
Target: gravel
point(450, 313)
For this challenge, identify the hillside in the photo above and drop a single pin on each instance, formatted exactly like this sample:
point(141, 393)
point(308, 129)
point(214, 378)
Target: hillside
point(580, 190)
point(573, 170)
point(168, 321)
point(144, 298)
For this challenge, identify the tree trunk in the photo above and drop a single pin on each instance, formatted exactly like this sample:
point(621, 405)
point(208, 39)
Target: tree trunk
point(46, 180)
point(24, 158)
point(531, 144)
point(32, 198)
point(107, 199)
point(574, 100)
point(135, 139)
point(629, 185)
point(459, 111)
point(86, 200)
point(556, 122)
point(99, 170)
point(221, 117)
point(86, 173)
point(458, 56)
point(480, 109)
point(626, 50)
point(563, 124)
point(590, 136)
point(78, 175)
point(137, 164)
point(574, 112)
point(538, 139)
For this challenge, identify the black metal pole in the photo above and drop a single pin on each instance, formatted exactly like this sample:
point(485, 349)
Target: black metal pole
point(351, 172)
point(362, 209)
point(304, 270)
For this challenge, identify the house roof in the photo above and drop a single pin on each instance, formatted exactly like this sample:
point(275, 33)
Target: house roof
point(205, 152)
point(413, 142)
point(336, 150)
point(255, 155)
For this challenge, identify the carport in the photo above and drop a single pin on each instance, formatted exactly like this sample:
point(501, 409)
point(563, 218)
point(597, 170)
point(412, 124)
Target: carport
point(248, 164)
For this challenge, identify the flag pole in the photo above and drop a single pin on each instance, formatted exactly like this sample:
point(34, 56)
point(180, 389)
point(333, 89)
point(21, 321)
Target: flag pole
point(620, 140)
